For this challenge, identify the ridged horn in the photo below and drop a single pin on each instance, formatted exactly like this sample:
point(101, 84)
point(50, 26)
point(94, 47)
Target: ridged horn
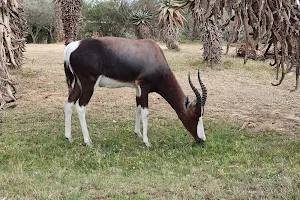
point(204, 90)
point(198, 96)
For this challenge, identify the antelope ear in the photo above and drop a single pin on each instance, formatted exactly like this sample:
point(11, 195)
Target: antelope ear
point(186, 103)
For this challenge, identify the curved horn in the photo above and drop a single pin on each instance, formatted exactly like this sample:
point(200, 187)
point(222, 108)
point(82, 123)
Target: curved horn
point(204, 90)
point(198, 96)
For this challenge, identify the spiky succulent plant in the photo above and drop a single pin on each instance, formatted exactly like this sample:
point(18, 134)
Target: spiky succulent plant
point(141, 21)
point(171, 20)
point(140, 17)
point(170, 13)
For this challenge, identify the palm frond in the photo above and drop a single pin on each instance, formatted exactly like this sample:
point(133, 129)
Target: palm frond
point(170, 13)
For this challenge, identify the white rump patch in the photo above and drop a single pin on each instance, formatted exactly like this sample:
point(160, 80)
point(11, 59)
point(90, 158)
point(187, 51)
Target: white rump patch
point(200, 129)
point(69, 49)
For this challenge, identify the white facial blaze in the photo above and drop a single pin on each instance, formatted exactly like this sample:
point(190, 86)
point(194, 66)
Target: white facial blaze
point(200, 129)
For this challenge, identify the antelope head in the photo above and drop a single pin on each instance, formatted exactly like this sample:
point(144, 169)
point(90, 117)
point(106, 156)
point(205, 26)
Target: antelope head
point(193, 121)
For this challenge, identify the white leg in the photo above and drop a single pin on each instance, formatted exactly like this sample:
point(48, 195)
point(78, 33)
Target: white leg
point(68, 115)
point(137, 129)
point(81, 115)
point(145, 113)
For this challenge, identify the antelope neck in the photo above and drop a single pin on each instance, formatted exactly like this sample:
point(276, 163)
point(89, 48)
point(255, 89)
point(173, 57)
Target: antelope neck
point(171, 91)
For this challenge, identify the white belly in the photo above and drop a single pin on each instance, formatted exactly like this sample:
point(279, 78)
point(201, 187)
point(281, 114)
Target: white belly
point(104, 81)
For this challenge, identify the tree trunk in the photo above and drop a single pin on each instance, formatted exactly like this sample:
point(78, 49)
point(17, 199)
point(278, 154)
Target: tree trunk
point(170, 35)
point(13, 32)
point(59, 30)
point(71, 13)
point(50, 37)
point(34, 35)
point(212, 38)
point(51, 34)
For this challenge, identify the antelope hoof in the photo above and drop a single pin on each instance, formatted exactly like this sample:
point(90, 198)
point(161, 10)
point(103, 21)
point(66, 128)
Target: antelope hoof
point(139, 135)
point(148, 144)
point(68, 139)
point(88, 144)
point(200, 142)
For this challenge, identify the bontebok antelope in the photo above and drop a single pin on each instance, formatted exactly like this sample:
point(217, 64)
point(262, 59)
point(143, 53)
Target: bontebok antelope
point(119, 62)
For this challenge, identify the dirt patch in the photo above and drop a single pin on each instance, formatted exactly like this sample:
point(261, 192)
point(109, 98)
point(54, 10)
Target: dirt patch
point(255, 103)
point(238, 95)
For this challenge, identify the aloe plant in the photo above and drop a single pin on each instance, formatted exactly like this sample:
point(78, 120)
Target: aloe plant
point(141, 21)
point(171, 20)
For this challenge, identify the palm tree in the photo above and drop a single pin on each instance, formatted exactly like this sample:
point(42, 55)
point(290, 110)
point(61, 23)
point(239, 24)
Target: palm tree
point(70, 14)
point(212, 40)
point(205, 22)
point(170, 20)
point(13, 31)
point(141, 21)
point(58, 22)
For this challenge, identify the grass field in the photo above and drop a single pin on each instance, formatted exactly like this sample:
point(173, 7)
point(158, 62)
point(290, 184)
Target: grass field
point(235, 162)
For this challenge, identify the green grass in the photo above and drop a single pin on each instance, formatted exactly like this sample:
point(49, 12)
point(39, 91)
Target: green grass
point(250, 65)
point(186, 40)
point(36, 162)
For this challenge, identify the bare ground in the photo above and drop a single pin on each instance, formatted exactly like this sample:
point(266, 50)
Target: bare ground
point(240, 94)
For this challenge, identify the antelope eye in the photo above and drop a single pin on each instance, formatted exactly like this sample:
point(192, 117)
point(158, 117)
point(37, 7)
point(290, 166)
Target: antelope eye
point(195, 117)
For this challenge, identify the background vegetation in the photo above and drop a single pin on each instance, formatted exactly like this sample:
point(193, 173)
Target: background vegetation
point(105, 18)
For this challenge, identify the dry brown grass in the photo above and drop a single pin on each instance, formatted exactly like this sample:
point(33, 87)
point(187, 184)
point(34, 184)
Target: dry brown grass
point(236, 92)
